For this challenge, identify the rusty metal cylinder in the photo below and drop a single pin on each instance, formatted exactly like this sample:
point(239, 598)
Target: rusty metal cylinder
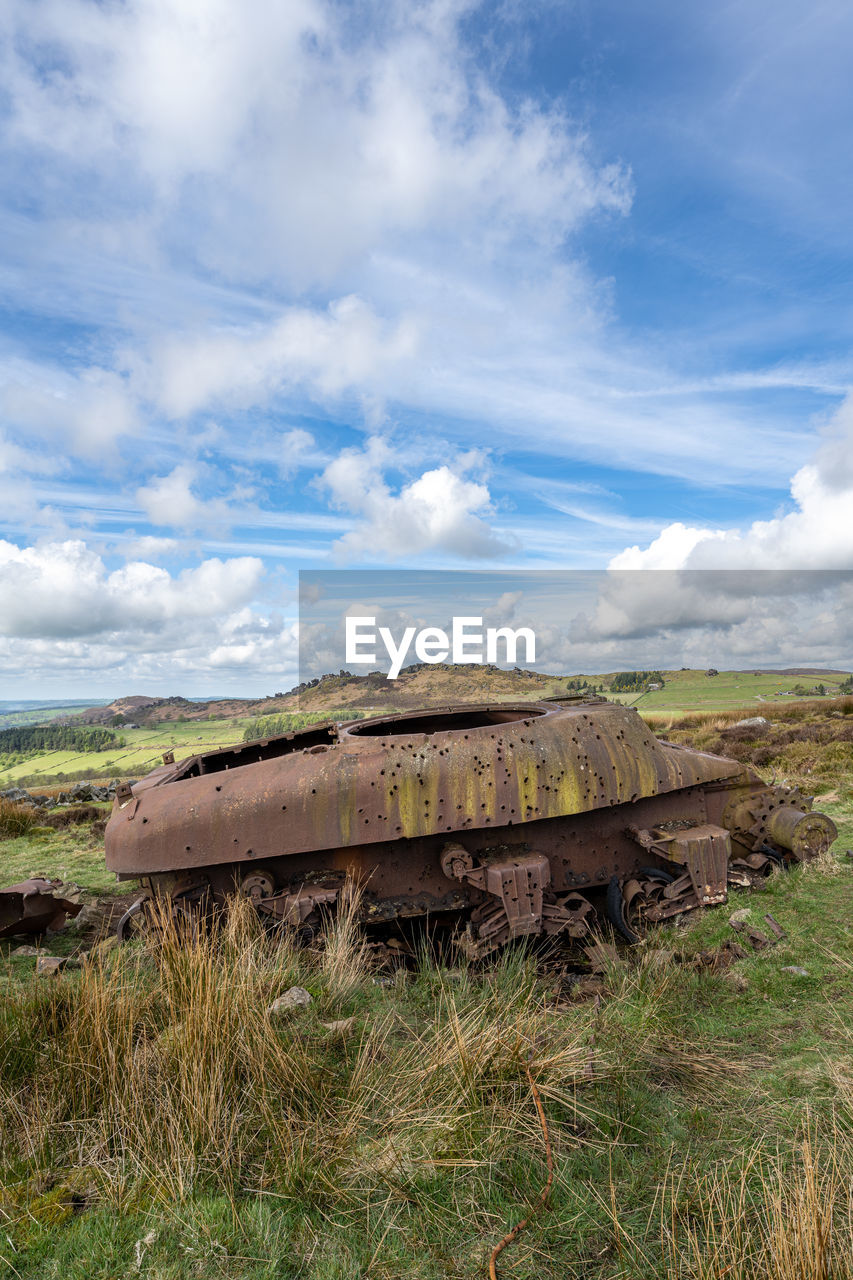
point(806, 834)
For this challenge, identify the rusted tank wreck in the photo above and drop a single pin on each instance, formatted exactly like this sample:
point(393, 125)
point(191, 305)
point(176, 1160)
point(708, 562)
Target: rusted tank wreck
point(505, 820)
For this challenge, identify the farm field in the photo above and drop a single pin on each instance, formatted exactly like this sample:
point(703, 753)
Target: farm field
point(142, 752)
point(686, 691)
point(9, 719)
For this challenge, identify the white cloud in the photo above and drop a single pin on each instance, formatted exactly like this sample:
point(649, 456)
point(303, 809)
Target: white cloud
point(325, 353)
point(148, 548)
point(442, 510)
point(316, 132)
point(63, 590)
point(85, 412)
point(816, 534)
point(170, 501)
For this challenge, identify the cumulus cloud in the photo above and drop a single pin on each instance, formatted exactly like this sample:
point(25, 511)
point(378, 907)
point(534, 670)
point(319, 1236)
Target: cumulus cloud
point(442, 510)
point(63, 590)
point(816, 534)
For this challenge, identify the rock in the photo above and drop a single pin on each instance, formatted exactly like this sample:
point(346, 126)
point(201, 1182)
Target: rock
point(16, 795)
point(293, 998)
point(340, 1027)
point(795, 969)
point(90, 914)
point(740, 917)
point(70, 890)
point(753, 722)
point(50, 966)
point(26, 950)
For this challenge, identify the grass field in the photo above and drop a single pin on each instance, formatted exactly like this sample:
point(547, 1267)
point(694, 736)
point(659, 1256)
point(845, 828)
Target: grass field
point(155, 1121)
point(692, 691)
point(143, 751)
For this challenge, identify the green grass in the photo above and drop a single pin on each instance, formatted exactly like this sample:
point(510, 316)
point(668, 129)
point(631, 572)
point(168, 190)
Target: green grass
point(73, 853)
point(686, 691)
point(142, 752)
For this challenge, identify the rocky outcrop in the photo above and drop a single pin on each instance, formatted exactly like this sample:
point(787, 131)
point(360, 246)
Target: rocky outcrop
point(80, 793)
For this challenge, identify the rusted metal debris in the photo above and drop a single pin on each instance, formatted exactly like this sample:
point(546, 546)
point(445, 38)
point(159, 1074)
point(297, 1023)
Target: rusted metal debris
point(502, 821)
point(775, 927)
point(32, 908)
point(758, 940)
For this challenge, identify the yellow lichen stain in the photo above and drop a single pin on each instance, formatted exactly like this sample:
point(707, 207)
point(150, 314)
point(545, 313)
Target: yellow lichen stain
point(414, 804)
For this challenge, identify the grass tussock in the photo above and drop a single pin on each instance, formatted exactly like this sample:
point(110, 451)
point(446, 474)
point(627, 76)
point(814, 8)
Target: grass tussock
point(15, 819)
point(160, 1068)
point(789, 1217)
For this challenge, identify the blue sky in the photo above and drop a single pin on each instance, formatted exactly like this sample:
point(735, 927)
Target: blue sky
point(422, 285)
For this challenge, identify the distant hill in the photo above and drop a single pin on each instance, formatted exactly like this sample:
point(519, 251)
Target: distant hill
point(427, 685)
point(440, 684)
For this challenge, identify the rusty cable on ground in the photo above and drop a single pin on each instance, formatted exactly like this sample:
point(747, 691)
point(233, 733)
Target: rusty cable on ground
point(542, 1198)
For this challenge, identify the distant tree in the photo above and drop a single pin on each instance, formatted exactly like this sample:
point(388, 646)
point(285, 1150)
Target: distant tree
point(633, 681)
point(28, 740)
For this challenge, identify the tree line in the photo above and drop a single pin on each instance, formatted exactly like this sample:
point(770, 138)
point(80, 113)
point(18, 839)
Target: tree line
point(30, 739)
point(289, 721)
point(630, 681)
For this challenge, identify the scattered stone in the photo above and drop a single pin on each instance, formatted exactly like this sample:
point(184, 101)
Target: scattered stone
point(754, 722)
point(736, 979)
point(89, 916)
point(721, 958)
point(50, 966)
point(796, 969)
point(293, 998)
point(26, 950)
point(340, 1027)
point(739, 918)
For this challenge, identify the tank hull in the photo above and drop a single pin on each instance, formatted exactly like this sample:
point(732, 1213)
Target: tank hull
point(515, 815)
